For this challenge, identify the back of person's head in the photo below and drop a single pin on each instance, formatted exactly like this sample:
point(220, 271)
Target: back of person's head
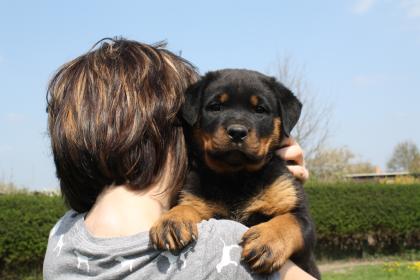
point(113, 119)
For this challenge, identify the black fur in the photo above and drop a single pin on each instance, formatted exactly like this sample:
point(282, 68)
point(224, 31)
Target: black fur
point(235, 188)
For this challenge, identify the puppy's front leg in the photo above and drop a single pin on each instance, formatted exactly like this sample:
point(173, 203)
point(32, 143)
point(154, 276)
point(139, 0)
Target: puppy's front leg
point(178, 227)
point(268, 245)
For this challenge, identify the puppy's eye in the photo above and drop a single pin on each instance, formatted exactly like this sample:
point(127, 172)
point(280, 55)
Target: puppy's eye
point(214, 107)
point(260, 110)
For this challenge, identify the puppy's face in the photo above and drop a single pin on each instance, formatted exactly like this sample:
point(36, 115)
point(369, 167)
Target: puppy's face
point(238, 118)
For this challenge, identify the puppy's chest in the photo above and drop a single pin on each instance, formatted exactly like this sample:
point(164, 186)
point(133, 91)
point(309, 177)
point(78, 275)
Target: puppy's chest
point(249, 198)
point(238, 198)
point(242, 215)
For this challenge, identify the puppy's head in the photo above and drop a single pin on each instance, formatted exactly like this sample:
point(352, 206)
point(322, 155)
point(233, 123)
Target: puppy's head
point(238, 117)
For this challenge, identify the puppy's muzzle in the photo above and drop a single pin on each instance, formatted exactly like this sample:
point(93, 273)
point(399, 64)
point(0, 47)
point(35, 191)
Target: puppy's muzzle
point(237, 133)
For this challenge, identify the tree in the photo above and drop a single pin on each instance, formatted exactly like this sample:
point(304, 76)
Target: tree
point(333, 164)
point(405, 157)
point(313, 128)
point(415, 165)
point(361, 167)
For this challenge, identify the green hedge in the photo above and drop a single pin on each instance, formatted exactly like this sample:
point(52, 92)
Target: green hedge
point(25, 222)
point(351, 220)
point(359, 219)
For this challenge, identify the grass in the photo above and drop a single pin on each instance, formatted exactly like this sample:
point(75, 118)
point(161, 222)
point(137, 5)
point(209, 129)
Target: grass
point(387, 271)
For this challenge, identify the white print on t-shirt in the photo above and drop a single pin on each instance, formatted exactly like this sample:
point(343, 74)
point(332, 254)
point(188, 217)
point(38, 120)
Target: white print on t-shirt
point(82, 259)
point(183, 258)
point(55, 228)
point(125, 262)
point(59, 245)
point(226, 257)
point(173, 259)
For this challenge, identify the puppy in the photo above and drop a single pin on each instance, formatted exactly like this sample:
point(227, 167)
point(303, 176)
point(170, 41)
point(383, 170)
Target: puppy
point(235, 120)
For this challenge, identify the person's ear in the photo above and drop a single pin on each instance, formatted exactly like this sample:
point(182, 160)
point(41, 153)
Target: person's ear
point(289, 106)
point(193, 95)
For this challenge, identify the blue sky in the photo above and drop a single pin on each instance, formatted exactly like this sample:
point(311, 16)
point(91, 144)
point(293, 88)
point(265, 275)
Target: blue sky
point(362, 56)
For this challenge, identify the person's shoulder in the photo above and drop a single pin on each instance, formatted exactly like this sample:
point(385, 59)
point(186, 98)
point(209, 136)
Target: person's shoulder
point(231, 230)
point(65, 223)
point(218, 241)
point(225, 224)
point(60, 244)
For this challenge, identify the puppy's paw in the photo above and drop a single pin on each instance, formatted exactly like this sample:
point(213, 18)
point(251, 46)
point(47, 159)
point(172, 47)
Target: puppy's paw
point(264, 249)
point(173, 231)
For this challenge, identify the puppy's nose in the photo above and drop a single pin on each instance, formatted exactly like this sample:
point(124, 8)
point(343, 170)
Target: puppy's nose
point(237, 132)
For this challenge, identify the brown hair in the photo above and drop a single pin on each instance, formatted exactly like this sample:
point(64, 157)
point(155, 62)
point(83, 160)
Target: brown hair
point(113, 119)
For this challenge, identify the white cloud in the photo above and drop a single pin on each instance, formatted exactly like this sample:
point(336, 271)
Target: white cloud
point(411, 7)
point(363, 6)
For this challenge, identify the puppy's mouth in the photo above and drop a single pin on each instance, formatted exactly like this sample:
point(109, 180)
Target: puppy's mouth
point(235, 157)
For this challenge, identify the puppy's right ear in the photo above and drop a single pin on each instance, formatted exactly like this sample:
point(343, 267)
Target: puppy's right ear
point(192, 105)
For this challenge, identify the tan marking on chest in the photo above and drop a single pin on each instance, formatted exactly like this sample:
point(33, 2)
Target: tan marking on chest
point(206, 208)
point(277, 199)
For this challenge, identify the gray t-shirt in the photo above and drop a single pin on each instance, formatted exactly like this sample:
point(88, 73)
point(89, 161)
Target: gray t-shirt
point(73, 253)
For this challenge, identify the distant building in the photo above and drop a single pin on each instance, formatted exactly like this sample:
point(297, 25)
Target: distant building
point(383, 177)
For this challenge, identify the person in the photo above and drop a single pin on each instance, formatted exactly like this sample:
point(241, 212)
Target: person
point(120, 158)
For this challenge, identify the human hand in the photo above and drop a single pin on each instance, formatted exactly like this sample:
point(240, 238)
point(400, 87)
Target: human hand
point(292, 152)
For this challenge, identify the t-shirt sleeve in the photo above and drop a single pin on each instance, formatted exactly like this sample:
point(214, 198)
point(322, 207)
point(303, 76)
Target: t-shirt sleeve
point(220, 253)
point(57, 247)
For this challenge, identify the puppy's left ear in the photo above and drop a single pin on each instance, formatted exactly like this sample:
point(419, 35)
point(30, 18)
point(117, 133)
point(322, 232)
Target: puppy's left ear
point(290, 107)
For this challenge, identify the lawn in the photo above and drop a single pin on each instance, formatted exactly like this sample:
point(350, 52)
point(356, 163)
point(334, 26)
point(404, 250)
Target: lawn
point(387, 271)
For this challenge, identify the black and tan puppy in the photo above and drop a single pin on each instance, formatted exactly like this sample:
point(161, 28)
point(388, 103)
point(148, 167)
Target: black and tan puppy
point(236, 119)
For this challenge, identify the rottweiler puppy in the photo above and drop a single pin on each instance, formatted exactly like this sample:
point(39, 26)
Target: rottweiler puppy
point(235, 120)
